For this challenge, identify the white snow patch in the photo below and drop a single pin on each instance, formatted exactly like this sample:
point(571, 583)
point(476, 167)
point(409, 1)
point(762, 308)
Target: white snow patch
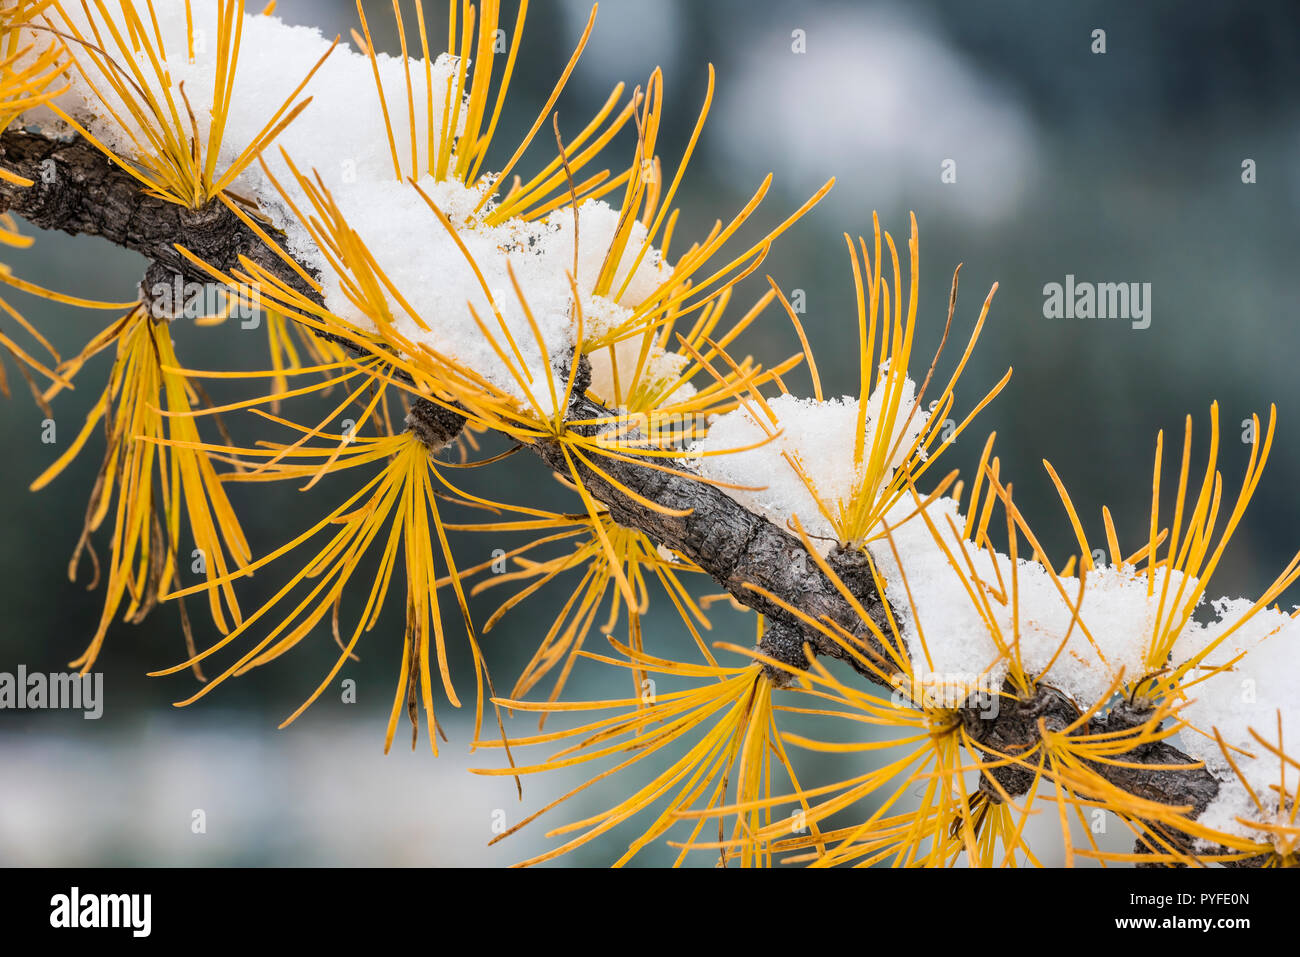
point(1256, 693)
point(820, 436)
point(342, 138)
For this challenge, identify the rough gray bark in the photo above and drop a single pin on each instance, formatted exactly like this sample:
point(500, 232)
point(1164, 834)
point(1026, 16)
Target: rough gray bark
point(78, 191)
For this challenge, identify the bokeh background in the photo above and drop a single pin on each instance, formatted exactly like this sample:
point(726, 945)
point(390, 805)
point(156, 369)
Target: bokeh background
point(1117, 167)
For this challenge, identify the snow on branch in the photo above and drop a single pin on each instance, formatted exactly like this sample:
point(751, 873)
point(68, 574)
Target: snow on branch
point(350, 190)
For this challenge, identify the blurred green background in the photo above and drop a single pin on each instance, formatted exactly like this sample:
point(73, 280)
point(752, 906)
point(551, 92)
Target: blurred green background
point(1117, 167)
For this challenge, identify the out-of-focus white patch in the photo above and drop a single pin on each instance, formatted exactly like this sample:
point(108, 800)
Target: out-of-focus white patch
point(880, 100)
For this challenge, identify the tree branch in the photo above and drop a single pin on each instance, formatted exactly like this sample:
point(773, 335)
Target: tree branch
point(77, 190)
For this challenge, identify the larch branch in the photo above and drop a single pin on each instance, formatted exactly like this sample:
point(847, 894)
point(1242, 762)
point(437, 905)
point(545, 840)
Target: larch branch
point(77, 190)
